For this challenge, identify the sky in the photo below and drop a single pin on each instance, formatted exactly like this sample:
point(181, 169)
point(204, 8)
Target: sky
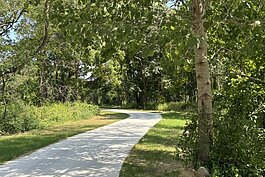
point(12, 35)
point(170, 3)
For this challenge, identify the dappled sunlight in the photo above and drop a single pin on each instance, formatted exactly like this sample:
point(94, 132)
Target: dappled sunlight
point(156, 153)
point(177, 115)
point(178, 127)
point(99, 152)
point(12, 146)
point(156, 147)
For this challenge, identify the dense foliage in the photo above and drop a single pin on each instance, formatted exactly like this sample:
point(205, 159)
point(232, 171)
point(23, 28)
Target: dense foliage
point(235, 38)
point(137, 54)
point(239, 130)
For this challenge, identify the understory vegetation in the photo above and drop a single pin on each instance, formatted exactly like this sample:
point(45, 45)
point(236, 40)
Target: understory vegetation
point(175, 106)
point(19, 117)
point(239, 131)
point(58, 58)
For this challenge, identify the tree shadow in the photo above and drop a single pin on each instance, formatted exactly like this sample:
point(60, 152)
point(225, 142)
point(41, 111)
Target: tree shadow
point(148, 164)
point(99, 152)
point(23, 145)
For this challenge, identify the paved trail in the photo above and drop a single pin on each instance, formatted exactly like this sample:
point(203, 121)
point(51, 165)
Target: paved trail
point(97, 153)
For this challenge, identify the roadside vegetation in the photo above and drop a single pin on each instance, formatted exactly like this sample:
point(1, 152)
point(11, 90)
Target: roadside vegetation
point(19, 117)
point(175, 106)
point(154, 54)
point(13, 146)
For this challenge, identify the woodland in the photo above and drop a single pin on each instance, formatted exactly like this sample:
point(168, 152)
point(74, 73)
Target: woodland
point(208, 56)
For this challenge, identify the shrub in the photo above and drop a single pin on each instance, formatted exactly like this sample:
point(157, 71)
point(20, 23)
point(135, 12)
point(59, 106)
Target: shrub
point(174, 106)
point(18, 118)
point(239, 133)
point(151, 106)
point(239, 140)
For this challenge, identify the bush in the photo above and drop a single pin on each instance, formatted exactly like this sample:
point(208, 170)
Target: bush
point(20, 117)
point(239, 133)
point(174, 106)
point(151, 106)
point(239, 140)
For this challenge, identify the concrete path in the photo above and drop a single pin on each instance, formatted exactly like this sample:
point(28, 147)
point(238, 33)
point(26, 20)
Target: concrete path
point(97, 153)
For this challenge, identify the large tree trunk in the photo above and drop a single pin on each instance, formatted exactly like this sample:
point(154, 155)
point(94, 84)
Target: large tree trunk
point(203, 83)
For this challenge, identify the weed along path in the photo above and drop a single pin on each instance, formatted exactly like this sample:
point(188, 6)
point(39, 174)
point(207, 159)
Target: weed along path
point(99, 152)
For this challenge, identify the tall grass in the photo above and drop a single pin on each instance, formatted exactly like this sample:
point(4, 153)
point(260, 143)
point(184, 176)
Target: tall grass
point(20, 117)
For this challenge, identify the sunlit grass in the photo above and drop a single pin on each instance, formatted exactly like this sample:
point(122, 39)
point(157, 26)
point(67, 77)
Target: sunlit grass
point(155, 153)
point(13, 146)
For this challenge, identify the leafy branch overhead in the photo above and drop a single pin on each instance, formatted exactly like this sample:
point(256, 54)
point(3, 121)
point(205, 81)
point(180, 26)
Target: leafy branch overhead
point(142, 54)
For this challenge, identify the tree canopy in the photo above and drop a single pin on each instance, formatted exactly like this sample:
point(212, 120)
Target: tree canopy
point(141, 53)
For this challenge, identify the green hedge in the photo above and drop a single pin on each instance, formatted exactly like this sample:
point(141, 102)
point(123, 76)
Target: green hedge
point(20, 117)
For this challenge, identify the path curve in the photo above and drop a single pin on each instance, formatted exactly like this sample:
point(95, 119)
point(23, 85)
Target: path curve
point(97, 153)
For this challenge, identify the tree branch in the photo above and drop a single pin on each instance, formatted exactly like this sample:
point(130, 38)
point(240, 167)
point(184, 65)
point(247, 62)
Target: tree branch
point(14, 69)
point(9, 24)
point(253, 79)
point(236, 74)
point(46, 29)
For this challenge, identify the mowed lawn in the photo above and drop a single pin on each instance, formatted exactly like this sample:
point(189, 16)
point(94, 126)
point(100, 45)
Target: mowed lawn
point(13, 146)
point(155, 154)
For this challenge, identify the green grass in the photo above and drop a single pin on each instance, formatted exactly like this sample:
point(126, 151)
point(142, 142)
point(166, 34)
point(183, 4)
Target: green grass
point(13, 146)
point(175, 106)
point(155, 154)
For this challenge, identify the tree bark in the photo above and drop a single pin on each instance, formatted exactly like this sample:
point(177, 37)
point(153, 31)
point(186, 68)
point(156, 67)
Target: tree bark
point(203, 83)
point(3, 98)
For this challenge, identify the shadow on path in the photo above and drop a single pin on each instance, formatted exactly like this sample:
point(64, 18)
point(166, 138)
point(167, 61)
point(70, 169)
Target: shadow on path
point(99, 152)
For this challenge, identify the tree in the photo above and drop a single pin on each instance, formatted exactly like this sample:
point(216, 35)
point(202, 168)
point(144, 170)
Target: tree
point(203, 82)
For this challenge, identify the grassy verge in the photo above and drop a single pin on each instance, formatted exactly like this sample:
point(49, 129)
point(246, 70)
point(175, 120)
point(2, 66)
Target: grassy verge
point(155, 153)
point(13, 146)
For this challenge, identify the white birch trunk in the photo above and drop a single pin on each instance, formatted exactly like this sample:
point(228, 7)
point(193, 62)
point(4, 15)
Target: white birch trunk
point(203, 82)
